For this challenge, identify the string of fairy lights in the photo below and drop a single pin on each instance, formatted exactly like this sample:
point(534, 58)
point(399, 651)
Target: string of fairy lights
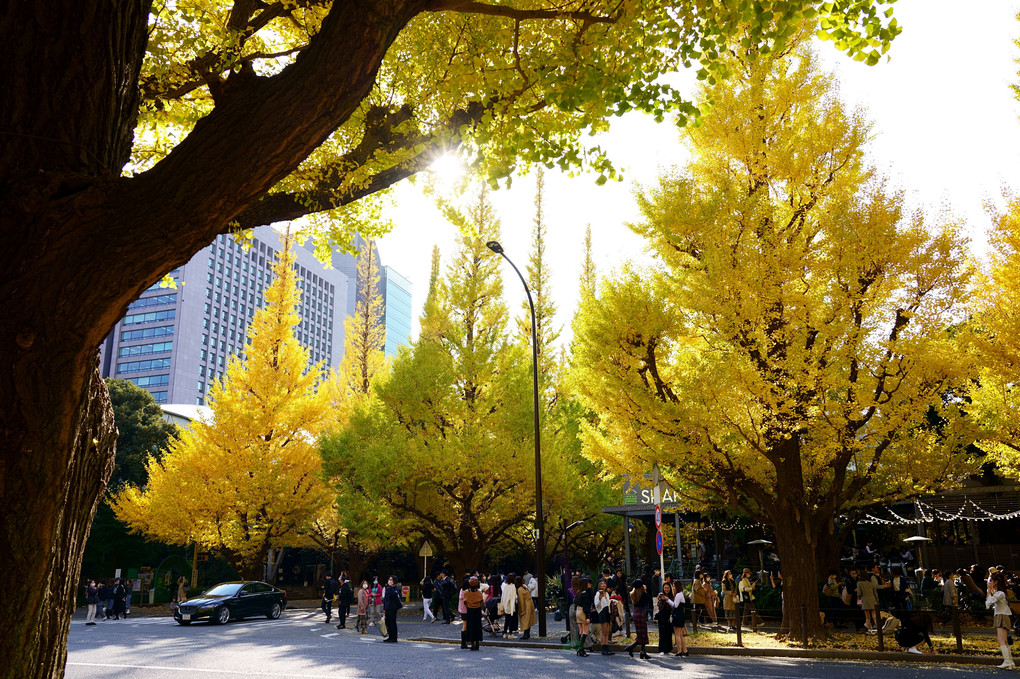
point(926, 514)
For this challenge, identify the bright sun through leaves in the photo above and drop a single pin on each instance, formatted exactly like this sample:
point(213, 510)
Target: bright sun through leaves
point(448, 170)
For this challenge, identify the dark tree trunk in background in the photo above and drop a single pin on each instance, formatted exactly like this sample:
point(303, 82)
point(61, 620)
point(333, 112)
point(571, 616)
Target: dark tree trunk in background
point(78, 242)
point(830, 546)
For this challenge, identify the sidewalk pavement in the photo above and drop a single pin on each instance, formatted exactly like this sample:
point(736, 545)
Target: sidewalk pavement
point(413, 629)
point(439, 633)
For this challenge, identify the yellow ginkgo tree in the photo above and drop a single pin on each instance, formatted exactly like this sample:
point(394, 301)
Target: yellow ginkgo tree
point(249, 479)
point(996, 395)
point(794, 353)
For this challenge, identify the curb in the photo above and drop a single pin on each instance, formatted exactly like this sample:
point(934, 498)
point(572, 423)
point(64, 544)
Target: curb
point(731, 651)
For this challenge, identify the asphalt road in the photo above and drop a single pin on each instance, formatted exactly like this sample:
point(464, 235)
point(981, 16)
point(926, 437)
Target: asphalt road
point(300, 645)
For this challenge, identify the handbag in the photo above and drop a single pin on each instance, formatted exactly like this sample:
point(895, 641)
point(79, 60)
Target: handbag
point(382, 628)
point(846, 597)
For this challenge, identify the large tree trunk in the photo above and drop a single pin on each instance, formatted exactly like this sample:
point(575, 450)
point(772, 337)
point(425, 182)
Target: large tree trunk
point(67, 122)
point(797, 544)
point(78, 242)
point(798, 536)
point(57, 446)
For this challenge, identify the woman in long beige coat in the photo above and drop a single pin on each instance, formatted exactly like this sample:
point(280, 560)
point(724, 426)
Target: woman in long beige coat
point(525, 609)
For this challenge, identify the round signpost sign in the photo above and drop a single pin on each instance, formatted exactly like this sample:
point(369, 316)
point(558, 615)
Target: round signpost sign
point(658, 542)
point(658, 516)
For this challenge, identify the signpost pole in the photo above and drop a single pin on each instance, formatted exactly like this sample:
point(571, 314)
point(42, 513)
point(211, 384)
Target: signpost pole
point(658, 524)
point(425, 552)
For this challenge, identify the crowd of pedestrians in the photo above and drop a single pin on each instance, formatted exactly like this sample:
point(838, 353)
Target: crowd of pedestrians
point(870, 594)
point(107, 600)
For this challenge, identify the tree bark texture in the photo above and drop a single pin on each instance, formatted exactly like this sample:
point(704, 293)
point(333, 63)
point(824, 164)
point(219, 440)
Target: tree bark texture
point(78, 242)
point(799, 534)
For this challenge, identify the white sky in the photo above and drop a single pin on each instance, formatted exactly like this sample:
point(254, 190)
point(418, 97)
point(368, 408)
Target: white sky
point(947, 132)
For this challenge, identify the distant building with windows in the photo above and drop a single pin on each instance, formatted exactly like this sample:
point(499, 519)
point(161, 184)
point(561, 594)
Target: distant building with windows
point(173, 342)
point(397, 304)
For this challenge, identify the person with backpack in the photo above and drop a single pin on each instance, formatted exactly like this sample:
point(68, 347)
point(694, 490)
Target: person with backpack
point(329, 590)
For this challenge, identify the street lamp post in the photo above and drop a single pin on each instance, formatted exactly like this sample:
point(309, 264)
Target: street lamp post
point(539, 519)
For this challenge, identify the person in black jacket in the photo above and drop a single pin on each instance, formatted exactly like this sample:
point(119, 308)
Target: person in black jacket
point(391, 604)
point(345, 597)
point(329, 590)
point(119, 597)
point(104, 595)
point(445, 590)
point(584, 603)
point(664, 616)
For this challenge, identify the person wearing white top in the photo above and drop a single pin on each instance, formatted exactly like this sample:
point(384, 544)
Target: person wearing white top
point(601, 612)
point(997, 601)
point(679, 620)
point(508, 597)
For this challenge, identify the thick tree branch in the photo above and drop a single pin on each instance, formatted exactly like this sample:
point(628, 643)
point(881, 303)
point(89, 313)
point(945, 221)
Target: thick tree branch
point(333, 189)
point(473, 7)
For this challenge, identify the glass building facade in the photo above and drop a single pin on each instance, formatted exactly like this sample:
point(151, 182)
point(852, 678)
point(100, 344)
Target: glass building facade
point(173, 342)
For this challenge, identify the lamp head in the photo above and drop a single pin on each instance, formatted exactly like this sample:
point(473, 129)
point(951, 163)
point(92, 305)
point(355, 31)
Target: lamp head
point(495, 247)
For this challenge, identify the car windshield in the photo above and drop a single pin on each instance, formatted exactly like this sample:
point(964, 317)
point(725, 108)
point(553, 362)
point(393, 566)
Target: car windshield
point(226, 589)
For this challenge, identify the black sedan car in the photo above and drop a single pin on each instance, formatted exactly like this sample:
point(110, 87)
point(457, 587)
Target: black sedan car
point(232, 601)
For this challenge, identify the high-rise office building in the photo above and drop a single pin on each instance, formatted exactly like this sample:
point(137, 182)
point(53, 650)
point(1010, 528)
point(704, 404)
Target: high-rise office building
point(394, 288)
point(173, 342)
point(397, 304)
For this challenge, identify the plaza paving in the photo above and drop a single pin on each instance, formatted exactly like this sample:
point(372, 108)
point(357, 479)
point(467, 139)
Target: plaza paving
point(301, 645)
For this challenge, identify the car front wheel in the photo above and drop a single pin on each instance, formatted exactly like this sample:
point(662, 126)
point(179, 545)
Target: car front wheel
point(274, 611)
point(222, 616)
